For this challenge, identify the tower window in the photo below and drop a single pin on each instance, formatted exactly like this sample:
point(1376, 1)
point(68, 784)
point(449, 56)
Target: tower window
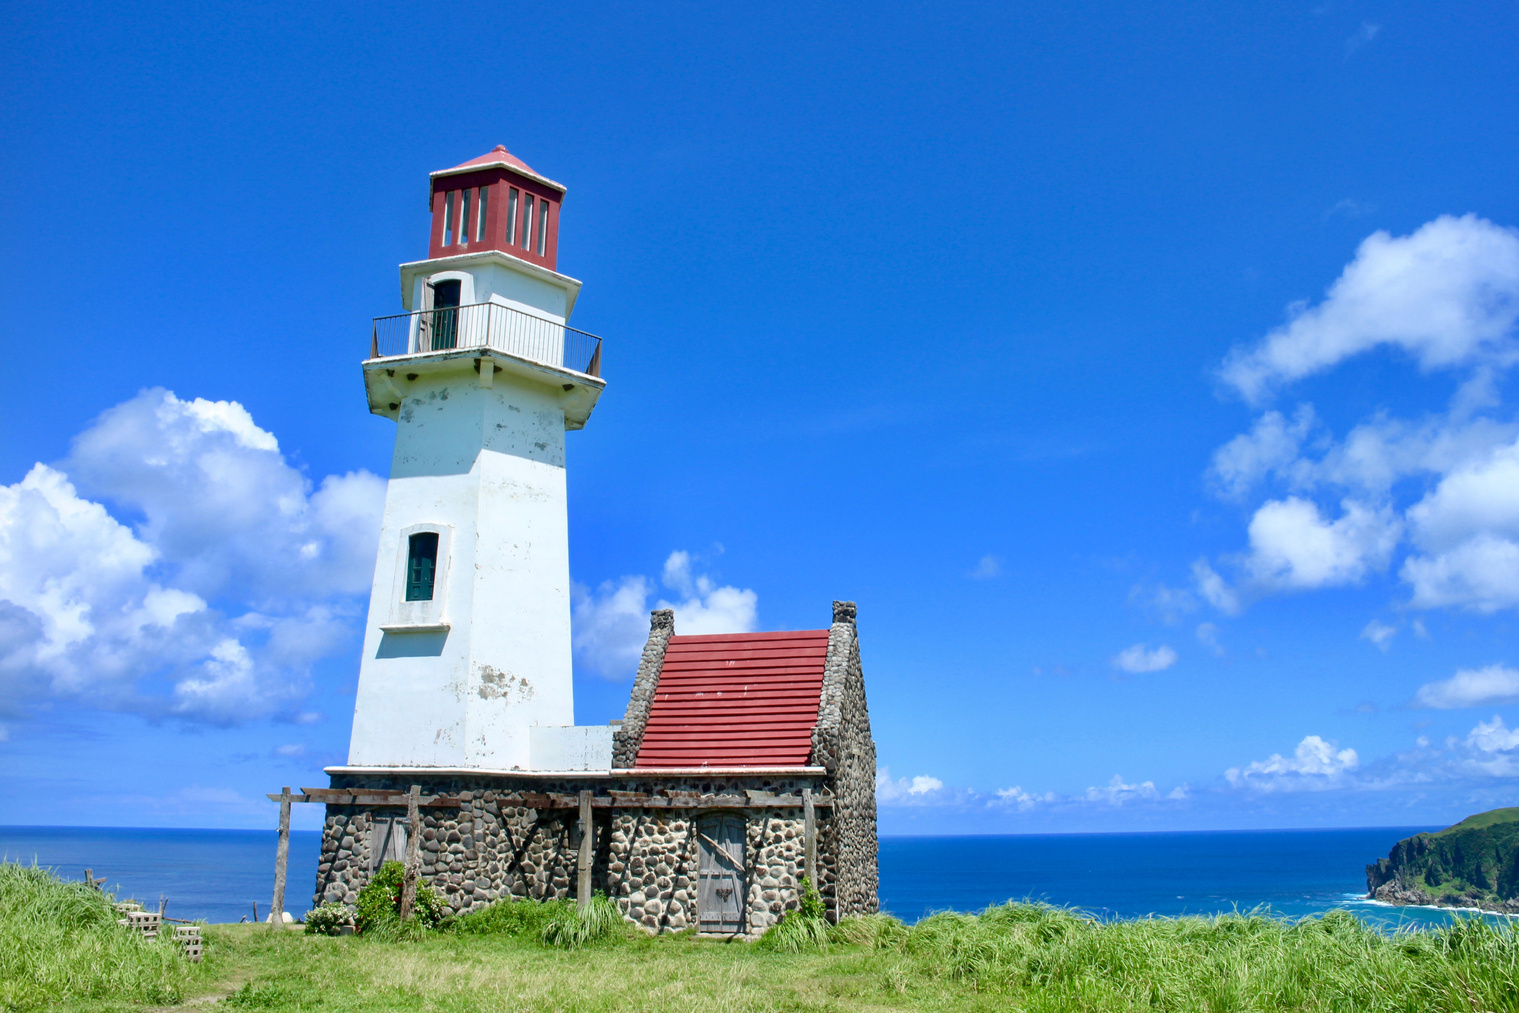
point(480, 227)
point(511, 215)
point(543, 226)
point(463, 217)
point(421, 565)
point(448, 218)
point(527, 221)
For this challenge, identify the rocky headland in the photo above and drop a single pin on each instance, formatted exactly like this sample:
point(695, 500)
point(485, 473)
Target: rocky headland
point(1474, 864)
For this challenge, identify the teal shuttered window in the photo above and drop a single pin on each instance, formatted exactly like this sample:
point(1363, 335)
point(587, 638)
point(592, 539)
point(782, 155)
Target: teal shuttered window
point(421, 566)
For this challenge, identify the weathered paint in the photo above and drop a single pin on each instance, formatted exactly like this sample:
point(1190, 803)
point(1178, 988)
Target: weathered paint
point(479, 458)
point(581, 747)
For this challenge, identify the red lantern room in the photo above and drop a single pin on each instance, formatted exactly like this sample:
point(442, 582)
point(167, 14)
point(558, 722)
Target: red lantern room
point(495, 202)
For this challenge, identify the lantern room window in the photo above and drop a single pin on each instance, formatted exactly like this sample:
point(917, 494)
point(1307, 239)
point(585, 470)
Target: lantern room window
point(527, 221)
point(448, 218)
point(421, 565)
point(511, 215)
point(463, 217)
point(480, 224)
point(543, 226)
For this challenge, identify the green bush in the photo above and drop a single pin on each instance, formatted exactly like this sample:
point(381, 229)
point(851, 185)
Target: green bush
point(803, 930)
point(511, 917)
point(554, 922)
point(379, 906)
point(59, 941)
point(599, 920)
point(329, 920)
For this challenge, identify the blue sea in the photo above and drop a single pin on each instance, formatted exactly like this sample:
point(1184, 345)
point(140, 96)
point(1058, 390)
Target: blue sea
point(218, 875)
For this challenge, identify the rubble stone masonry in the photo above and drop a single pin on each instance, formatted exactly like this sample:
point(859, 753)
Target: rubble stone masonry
point(645, 857)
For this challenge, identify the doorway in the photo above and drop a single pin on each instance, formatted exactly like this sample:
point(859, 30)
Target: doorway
point(720, 891)
point(445, 315)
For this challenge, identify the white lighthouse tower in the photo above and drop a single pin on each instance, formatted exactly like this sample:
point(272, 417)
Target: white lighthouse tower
point(466, 660)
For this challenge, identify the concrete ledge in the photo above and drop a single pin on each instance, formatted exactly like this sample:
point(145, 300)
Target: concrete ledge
point(580, 774)
point(414, 627)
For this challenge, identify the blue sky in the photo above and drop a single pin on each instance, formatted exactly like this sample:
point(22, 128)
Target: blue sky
point(1145, 372)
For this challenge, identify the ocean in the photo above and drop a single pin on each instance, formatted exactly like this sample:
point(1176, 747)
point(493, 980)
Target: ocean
point(219, 875)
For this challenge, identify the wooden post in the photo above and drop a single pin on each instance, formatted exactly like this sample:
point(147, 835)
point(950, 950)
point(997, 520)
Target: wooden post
point(281, 859)
point(587, 850)
point(810, 831)
point(413, 849)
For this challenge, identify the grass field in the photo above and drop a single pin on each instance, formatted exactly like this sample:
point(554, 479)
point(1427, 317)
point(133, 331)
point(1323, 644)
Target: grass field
point(1011, 957)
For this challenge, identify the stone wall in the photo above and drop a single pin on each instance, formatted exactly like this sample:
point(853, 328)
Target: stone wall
point(646, 858)
point(472, 855)
point(629, 736)
point(842, 743)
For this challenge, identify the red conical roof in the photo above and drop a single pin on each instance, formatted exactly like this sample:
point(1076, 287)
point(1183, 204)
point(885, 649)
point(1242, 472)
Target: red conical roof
point(495, 155)
point(498, 156)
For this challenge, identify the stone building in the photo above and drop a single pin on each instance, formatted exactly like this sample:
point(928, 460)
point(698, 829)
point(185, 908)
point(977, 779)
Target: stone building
point(744, 761)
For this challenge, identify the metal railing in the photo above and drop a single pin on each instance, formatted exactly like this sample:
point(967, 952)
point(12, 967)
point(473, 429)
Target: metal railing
point(487, 325)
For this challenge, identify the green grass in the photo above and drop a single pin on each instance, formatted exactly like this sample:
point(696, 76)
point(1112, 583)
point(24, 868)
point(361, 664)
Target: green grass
point(59, 943)
point(1024, 957)
point(1011, 957)
point(1481, 821)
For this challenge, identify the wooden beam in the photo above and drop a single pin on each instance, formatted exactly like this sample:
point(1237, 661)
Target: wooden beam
point(587, 851)
point(413, 847)
point(372, 796)
point(281, 859)
point(810, 832)
point(559, 800)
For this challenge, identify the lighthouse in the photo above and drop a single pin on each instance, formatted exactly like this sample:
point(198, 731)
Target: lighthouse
point(743, 765)
point(466, 658)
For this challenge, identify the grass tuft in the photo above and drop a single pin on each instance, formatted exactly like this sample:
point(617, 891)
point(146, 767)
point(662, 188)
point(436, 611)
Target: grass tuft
point(59, 942)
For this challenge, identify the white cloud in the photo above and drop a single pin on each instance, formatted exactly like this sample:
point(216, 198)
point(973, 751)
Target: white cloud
point(1293, 547)
point(1271, 447)
point(1471, 687)
point(1140, 658)
point(1214, 589)
point(1468, 530)
point(986, 568)
point(221, 505)
point(231, 586)
point(1492, 736)
point(1316, 764)
point(920, 788)
point(1207, 635)
point(611, 623)
point(1482, 574)
point(1363, 35)
point(1168, 604)
point(1116, 792)
point(1448, 294)
point(1379, 633)
point(1022, 801)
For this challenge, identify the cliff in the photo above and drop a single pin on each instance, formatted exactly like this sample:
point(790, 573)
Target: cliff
point(1472, 864)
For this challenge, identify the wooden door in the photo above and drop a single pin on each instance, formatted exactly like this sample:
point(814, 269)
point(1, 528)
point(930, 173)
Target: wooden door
point(720, 891)
point(387, 841)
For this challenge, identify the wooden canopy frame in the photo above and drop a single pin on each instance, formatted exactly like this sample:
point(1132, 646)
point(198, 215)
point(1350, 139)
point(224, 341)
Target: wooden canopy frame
point(585, 801)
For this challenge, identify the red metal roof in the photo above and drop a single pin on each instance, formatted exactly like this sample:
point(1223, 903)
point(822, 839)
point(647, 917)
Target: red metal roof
point(498, 154)
point(736, 700)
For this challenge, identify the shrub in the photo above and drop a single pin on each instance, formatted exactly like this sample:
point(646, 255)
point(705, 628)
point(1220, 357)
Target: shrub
point(329, 920)
point(803, 930)
point(379, 903)
point(511, 917)
point(575, 927)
